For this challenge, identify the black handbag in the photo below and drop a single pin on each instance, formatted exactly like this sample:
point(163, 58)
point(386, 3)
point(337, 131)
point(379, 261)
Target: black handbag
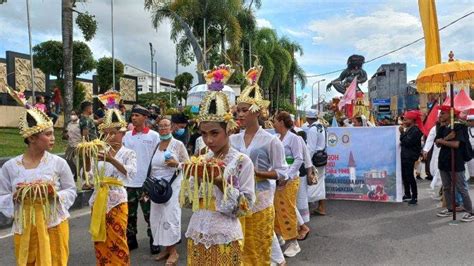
point(159, 190)
point(320, 158)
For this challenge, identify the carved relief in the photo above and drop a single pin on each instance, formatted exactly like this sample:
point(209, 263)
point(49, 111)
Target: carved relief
point(88, 90)
point(128, 89)
point(3, 75)
point(22, 76)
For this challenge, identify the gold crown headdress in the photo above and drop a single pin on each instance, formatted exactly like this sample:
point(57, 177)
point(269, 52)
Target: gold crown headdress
point(113, 118)
point(33, 120)
point(215, 105)
point(252, 93)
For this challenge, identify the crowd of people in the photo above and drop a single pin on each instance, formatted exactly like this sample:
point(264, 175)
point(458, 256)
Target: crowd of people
point(254, 213)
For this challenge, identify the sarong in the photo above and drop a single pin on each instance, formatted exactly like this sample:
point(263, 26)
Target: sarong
point(258, 233)
point(286, 222)
point(225, 254)
point(114, 251)
point(56, 239)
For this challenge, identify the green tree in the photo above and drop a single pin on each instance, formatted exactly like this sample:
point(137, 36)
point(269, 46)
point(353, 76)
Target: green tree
point(183, 83)
point(48, 57)
point(104, 73)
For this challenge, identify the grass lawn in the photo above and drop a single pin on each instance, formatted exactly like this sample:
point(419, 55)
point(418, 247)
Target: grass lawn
point(11, 143)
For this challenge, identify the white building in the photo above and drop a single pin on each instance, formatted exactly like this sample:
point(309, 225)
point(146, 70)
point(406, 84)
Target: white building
point(145, 79)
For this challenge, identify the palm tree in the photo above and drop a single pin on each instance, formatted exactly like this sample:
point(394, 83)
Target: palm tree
point(187, 30)
point(67, 31)
point(296, 72)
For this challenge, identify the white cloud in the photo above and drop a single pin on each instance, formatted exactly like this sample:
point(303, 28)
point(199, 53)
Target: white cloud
point(263, 23)
point(296, 33)
point(133, 31)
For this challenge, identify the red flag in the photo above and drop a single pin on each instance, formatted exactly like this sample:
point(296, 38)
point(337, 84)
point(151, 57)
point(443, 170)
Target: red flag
point(349, 95)
point(431, 120)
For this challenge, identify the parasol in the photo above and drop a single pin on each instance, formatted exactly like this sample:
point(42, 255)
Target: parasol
point(433, 79)
point(197, 93)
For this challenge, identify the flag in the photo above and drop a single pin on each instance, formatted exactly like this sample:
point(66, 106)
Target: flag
point(431, 119)
point(334, 122)
point(429, 21)
point(349, 95)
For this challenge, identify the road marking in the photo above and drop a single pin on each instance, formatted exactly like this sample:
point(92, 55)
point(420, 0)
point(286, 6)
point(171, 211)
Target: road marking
point(74, 215)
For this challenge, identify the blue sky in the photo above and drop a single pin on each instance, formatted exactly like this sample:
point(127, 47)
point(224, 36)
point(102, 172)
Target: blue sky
point(331, 31)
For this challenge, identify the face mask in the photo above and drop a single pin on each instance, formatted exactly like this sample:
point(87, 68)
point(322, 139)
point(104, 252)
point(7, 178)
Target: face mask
point(74, 117)
point(179, 132)
point(165, 137)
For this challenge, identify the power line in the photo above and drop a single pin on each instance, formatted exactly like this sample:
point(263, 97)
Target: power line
point(395, 50)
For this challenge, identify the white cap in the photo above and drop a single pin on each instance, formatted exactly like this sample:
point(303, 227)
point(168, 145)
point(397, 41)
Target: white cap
point(470, 117)
point(312, 113)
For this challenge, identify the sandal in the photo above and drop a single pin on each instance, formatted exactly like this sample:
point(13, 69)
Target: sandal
point(163, 255)
point(172, 260)
point(302, 237)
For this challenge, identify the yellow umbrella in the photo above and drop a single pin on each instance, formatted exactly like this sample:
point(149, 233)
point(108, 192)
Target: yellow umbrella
point(433, 80)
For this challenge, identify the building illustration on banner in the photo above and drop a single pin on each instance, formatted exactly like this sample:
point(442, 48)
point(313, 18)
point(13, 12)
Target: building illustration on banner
point(357, 171)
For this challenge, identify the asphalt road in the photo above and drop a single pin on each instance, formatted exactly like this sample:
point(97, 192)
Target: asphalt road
point(353, 233)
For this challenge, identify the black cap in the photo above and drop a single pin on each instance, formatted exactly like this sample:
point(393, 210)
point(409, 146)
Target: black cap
point(140, 110)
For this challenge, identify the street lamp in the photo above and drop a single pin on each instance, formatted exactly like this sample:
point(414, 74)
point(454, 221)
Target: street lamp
point(312, 92)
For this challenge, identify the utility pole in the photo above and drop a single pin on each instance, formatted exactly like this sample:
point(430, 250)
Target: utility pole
point(152, 53)
point(156, 77)
point(31, 52)
point(113, 56)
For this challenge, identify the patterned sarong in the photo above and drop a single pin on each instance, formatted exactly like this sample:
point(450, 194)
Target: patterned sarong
point(114, 251)
point(225, 254)
point(286, 222)
point(258, 234)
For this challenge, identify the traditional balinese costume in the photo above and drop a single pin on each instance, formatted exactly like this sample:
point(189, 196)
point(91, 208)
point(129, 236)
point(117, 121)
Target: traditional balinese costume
point(165, 218)
point(267, 153)
point(214, 233)
point(109, 201)
point(38, 199)
point(285, 197)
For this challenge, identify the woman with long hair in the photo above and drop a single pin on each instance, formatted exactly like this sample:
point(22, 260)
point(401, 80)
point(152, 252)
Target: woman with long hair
point(267, 154)
point(37, 189)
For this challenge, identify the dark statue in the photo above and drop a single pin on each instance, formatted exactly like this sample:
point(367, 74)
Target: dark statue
point(354, 68)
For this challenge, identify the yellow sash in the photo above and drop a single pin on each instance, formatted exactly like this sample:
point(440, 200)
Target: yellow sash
point(41, 229)
point(99, 209)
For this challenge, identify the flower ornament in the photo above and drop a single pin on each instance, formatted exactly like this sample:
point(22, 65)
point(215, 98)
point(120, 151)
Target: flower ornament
point(218, 77)
point(252, 93)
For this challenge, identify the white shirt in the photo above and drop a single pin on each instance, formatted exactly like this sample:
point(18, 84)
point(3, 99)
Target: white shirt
point(118, 194)
point(74, 136)
point(143, 144)
point(223, 226)
point(316, 138)
point(267, 153)
point(293, 150)
point(159, 169)
point(51, 168)
point(430, 140)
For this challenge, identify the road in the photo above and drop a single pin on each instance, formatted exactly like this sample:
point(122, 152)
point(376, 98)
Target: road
point(353, 233)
